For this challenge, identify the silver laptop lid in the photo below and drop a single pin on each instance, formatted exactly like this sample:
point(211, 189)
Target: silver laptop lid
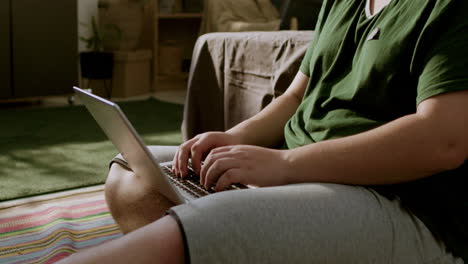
point(116, 126)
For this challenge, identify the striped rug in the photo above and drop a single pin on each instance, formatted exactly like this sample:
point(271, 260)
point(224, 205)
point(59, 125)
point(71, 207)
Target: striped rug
point(47, 231)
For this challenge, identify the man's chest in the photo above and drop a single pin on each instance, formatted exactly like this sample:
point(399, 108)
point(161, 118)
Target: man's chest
point(379, 43)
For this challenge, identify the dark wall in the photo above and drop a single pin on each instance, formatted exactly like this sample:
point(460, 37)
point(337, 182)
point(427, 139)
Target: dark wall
point(5, 73)
point(44, 47)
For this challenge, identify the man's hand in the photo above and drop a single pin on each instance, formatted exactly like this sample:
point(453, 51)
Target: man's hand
point(246, 165)
point(198, 148)
point(263, 129)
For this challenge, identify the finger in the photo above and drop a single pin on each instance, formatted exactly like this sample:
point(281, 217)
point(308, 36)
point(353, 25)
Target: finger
point(210, 159)
point(229, 177)
point(218, 168)
point(198, 151)
point(182, 162)
point(175, 161)
point(183, 156)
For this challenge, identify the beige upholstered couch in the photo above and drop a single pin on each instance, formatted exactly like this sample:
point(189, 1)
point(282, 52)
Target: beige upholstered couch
point(234, 75)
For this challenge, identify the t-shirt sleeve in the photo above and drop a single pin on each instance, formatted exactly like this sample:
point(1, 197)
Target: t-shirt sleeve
point(445, 67)
point(305, 65)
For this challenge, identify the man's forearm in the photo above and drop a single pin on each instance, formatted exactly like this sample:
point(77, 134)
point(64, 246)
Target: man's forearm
point(403, 150)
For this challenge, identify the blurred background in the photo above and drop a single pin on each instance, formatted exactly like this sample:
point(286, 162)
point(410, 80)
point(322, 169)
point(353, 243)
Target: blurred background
point(122, 48)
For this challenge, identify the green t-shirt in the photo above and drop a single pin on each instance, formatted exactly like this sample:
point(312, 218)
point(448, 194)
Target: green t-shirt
point(367, 71)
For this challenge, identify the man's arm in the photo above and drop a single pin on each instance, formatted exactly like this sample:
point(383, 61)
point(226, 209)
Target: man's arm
point(415, 146)
point(432, 140)
point(264, 129)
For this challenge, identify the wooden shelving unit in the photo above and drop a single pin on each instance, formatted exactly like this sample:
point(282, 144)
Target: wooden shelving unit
point(180, 15)
point(175, 36)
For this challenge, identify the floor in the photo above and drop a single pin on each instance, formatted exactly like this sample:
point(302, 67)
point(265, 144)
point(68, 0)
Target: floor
point(173, 96)
point(49, 230)
point(23, 209)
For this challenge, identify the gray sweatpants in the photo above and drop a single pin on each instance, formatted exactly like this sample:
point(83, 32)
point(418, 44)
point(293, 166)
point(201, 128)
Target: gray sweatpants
point(304, 223)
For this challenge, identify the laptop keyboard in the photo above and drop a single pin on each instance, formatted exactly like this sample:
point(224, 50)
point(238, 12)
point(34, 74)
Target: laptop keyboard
point(191, 183)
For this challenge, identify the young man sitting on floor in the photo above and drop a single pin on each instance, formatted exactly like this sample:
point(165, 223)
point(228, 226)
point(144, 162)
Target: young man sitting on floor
point(373, 166)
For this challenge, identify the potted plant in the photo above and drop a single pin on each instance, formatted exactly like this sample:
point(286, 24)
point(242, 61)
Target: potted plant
point(96, 63)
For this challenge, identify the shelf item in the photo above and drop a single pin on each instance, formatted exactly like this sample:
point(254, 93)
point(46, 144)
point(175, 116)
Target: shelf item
point(169, 6)
point(170, 56)
point(193, 6)
point(131, 73)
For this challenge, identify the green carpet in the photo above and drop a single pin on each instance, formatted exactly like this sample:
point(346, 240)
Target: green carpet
point(49, 149)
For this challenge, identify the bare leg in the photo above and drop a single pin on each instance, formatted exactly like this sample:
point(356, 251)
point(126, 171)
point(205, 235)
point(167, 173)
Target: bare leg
point(159, 242)
point(132, 201)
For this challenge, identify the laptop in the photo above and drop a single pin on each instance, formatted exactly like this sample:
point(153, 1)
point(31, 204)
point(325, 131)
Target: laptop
point(125, 138)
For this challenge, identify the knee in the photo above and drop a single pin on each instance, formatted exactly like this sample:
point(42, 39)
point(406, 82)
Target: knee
point(132, 201)
point(119, 191)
